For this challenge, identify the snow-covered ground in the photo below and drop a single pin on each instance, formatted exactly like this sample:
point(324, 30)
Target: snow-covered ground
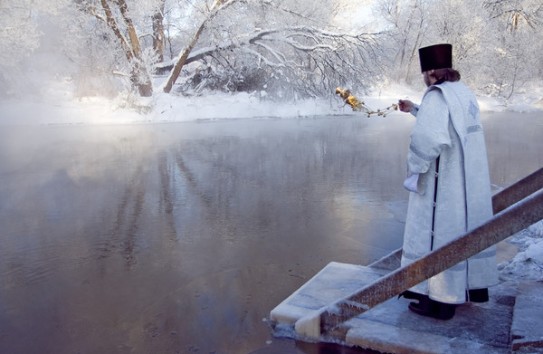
point(56, 106)
point(527, 264)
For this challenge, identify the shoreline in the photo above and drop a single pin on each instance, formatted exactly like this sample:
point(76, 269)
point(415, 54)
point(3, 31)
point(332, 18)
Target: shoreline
point(57, 108)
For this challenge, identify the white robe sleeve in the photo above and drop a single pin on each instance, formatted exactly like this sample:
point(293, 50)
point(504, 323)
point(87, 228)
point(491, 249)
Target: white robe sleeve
point(414, 110)
point(430, 134)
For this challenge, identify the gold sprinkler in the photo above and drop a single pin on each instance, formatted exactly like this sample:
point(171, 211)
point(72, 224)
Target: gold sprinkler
point(359, 106)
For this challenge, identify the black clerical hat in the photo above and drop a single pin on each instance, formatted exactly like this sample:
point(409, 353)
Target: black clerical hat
point(437, 56)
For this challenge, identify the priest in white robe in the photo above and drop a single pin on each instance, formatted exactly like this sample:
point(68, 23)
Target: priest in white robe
point(449, 184)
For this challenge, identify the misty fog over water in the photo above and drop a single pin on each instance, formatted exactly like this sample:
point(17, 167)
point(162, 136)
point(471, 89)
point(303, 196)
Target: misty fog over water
point(182, 237)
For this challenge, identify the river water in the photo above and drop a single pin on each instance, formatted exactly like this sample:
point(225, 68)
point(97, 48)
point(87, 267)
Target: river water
point(181, 237)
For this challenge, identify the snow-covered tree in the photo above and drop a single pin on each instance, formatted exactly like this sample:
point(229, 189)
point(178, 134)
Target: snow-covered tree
point(159, 39)
point(121, 19)
point(460, 23)
point(516, 14)
point(515, 30)
point(282, 48)
point(496, 42)
point(286, 48)
point(406, 32)
point(215, 7)
point(20, 34)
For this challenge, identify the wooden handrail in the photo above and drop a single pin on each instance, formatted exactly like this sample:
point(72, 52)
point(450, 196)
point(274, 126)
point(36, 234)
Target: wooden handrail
point(517, 191)
point(504, 224)
point(502, 199)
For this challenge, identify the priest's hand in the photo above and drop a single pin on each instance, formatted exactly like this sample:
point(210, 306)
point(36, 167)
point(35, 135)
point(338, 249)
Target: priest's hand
point(405, 105)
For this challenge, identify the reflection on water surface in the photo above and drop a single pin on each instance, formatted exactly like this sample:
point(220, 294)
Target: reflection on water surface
point(182, 237)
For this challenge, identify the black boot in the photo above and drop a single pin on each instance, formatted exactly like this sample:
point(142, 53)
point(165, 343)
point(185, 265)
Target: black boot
point(435, 309)
point(478, 295)
point(411, 295)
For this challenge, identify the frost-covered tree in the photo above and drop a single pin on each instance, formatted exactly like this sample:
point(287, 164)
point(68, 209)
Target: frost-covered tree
point(460, 23)
point(213, 9)
point(282, 48)
point(126, 20)
point(20, 34)
point(159, 39)
point(496, 42)
point(415, 23)
point(279, 46)
point(516, 14)
point(515, 28)
point(407, 25)
point(100, 65)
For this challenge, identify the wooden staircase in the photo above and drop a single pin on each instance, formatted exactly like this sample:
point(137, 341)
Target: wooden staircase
point(516, 208)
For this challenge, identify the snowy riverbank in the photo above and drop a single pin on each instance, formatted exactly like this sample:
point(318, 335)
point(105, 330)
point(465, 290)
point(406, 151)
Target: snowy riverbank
point(55, 105)
point(527, 264)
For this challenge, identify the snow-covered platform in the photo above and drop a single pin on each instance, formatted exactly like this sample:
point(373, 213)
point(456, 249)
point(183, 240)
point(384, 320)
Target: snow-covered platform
point(511, 322)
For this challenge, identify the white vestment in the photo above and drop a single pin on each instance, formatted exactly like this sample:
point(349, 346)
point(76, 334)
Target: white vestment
point(448, 126)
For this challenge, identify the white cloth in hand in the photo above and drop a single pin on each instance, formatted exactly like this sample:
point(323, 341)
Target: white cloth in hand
point(411, 183)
